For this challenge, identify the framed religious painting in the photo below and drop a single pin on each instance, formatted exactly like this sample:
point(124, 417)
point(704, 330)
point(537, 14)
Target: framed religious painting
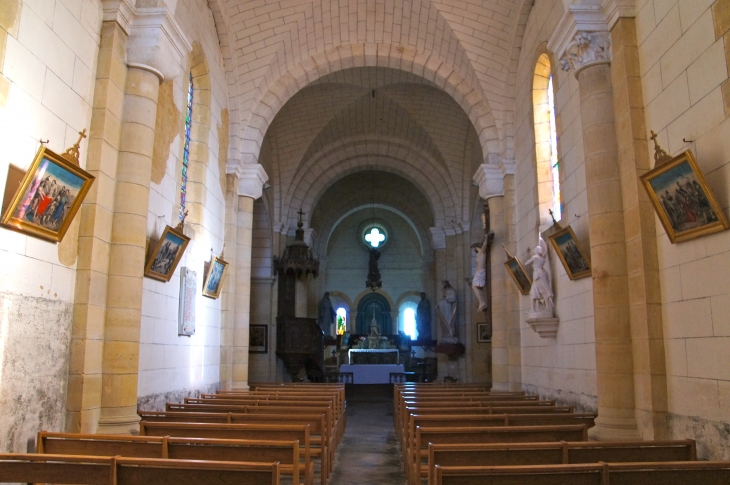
point(571, 254)
point(518, 274)
point(484, 332)
point(166, 254)
point(258, 339)
point(48, 197)
point(213, 283)
point(682, 200)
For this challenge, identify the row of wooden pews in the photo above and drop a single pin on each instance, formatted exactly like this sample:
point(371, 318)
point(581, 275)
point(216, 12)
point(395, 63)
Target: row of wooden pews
point(253, 437)
point(465, 434)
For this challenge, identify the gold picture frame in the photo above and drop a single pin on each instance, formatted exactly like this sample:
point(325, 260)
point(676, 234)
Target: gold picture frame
point(571, 254)
point(213, 283)
point(49, 196)
point(518, 274)
point(682, 199)
point(166, 254)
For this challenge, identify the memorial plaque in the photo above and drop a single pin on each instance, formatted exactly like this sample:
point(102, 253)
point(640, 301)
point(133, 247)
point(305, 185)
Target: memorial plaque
point(186, 310)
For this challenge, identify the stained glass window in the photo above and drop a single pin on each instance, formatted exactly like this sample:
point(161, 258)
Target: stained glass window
point(341, 321)
point(554, 168)
point(186, 147)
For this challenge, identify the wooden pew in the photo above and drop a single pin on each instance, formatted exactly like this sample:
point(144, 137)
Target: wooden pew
point(240, 432)
point(666, 473)
point(286, 453)
point(319, 435)
point(94, 470)
point(418, 452)
point(519, 454)
point(474, 407)
point(467, 420)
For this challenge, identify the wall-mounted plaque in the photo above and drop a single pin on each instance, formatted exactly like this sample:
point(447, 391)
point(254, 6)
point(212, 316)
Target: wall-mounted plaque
point(186, 310)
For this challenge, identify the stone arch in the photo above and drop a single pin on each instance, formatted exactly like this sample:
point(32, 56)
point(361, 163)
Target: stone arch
point(349, 156)
point(383, 309)
point(329, 229)
point(200, 123)
point(543, 116)
point(428, 65)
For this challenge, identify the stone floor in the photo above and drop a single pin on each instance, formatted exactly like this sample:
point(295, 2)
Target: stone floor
point(369, 453)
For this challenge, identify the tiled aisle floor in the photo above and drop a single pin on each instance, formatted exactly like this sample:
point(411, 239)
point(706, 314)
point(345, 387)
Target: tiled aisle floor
point(369, 453)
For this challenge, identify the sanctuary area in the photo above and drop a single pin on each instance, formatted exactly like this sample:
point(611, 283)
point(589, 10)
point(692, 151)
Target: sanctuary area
point(296, 203)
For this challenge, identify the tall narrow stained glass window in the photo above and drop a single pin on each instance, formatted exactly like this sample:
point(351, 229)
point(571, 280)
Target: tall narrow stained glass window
point(186, 147)
point(554, 168)
point(546, 142)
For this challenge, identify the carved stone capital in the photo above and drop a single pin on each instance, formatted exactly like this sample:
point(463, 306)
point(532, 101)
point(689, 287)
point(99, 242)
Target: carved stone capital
point(490, 179)
point(438, 237)
point(156, 42)
point(581, 38)
point(587, 49)
point(251, 180)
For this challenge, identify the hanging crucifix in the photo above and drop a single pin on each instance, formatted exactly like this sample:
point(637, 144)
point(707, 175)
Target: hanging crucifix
point(374, 280)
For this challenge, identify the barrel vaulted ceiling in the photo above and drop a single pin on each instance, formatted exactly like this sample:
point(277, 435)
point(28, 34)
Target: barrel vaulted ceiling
point(418, 90)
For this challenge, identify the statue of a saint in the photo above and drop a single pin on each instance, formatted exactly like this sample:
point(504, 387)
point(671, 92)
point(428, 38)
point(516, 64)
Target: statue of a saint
point(326, 316)
point(541, 291)
point(423, 318)
point(447, 312)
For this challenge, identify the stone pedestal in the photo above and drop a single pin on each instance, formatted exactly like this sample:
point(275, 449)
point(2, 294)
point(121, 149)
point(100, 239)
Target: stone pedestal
point(545, 326)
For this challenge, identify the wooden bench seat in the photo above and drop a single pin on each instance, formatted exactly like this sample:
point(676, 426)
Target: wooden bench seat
point(665, 473)
point(467, 420)
point(519, 454)
point(95, 470)
point(287, 453)
point(319, 436)
point(241, 432)
point(416, 455)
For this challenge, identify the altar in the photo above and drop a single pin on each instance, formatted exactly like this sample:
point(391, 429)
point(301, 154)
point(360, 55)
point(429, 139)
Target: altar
point(372, 356)
point(372, 373)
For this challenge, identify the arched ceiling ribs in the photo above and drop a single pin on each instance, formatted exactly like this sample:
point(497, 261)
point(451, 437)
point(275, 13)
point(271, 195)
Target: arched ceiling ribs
point(322, 243)
point(380, 116)
point(426, 65)
point(356, 191)
point(390, 155)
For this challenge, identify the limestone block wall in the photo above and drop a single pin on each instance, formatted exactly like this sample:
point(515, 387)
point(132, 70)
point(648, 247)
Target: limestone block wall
point(170, 366)
point(562, 368)
point(682, 50)
point(48, 55)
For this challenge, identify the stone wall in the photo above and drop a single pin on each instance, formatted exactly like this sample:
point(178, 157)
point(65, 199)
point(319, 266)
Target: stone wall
point(562, 368)
point(684, 71)
point(48, 57)
point(172, 365)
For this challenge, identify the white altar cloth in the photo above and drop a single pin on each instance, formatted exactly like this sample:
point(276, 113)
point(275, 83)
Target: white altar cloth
point(371, 373)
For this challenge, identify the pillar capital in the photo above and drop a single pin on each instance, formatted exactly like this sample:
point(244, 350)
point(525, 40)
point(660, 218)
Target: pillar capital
point(582, 38)
point(438, 238)
point(251, 180)
point(156, 42)
point(490, 179)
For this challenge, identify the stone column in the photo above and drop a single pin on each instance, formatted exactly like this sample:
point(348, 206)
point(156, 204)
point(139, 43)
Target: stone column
point(155, 49)
point(228, 295)
point(87, 339)
point(490, 179)
point(589, 55)
point(127, 253)
point(512, 300)
point(251, 179)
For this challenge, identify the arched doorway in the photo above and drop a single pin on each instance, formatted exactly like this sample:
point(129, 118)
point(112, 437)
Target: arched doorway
point(377, 303)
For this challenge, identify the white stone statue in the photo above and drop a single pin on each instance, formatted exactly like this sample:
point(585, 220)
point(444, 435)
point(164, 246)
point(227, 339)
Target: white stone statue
point(447, 312)
point(541, 291)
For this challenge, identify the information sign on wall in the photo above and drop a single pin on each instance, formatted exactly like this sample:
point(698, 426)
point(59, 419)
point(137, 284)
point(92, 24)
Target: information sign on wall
point(186, 311)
